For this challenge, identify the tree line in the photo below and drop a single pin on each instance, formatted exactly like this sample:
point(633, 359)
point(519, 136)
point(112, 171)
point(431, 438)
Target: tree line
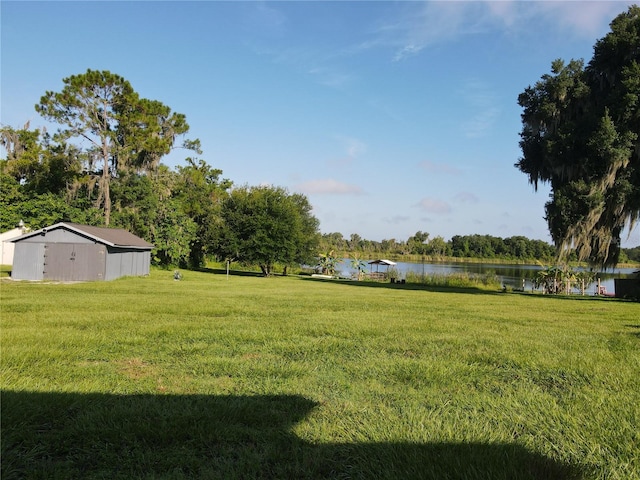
point(516, 248)
point(103, 167)
point(459, 246)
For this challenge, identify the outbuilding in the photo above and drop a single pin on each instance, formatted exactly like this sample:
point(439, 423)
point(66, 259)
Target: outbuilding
point(377, 275)
point(73, 252)
point(6, 246)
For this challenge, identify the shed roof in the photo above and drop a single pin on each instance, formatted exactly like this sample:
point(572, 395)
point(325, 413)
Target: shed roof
point(10, 234)
point(114, 237)
point(382, 261)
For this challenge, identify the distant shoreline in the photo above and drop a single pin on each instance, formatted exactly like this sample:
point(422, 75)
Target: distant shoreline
point(413, 258)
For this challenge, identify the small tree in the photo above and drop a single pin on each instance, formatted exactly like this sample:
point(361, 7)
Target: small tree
point(173, 235)
point(327, 263)
point(358, 265)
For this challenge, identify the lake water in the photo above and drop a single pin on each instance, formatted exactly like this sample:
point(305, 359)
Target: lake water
point(511, 275)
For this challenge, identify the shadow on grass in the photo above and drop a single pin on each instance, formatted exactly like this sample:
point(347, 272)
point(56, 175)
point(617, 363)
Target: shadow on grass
point(635, 328)
point(71, 435)
point(575, 297)
point(237, 273)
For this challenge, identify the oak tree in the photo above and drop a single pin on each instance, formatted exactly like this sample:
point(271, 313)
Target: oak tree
point(581, 134)
point(266, 225)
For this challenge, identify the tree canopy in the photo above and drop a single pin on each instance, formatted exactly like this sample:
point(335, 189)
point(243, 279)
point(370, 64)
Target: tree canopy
point(104, 166)
point(266, 225)
point(124, 132)
point(111, 173)
point(580, 134)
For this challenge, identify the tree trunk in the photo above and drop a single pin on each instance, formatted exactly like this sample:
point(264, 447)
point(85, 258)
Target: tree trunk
point(107, 199)
point(106, 182)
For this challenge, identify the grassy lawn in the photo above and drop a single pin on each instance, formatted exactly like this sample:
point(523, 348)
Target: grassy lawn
point(289, 377)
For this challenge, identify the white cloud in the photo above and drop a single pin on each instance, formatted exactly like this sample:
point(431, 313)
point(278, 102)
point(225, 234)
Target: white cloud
point(480, 124)
point(433, 205)
point(424, 24)
point(584, 18)
point(354, 147)
point(483, 107)
point(407, 51)
point(262, 19)
point(466, 197)
point(397, 219)
point(439, 168)
point(331, 77)
point(328, 186)
point(432, 23)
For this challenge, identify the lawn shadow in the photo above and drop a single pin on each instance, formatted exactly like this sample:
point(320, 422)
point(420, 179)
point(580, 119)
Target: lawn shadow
point(236, 273)
point(73, 435)
point(576, 297)
point(636, 329)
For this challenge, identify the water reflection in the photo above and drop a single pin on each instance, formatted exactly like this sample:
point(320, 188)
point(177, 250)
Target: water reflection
point(514, 276)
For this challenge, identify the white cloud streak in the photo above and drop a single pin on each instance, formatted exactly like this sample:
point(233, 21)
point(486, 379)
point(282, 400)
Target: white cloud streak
point(396, 220)
point(328, 186)
point(466, 197)
point(432, 205)
point(483, 105)
point(429, 23)
point(439, 168)
point(354, 147)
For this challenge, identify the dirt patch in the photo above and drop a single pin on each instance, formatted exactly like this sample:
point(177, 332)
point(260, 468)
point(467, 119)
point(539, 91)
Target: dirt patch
point(135, 368)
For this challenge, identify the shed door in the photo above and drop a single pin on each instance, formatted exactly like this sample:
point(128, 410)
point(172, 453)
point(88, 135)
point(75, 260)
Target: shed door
point(74, 262)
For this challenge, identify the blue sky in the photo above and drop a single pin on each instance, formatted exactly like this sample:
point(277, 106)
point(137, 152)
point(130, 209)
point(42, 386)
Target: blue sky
point(392, 117)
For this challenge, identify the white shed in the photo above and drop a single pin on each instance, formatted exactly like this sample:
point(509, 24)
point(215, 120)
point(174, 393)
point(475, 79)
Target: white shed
point(6, 246)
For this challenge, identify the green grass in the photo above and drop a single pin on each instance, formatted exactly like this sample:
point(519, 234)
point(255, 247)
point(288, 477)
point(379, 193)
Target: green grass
point(290, 377)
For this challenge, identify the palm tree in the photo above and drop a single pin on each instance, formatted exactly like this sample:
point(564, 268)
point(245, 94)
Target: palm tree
point(358, 265)
point(328, 262)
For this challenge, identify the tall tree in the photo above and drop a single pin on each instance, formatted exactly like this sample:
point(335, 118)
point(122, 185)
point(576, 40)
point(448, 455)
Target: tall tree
point(122, 131)
point(266, 225)
point(580, 134)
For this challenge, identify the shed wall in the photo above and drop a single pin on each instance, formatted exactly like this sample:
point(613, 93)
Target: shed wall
point(28, 261)
point(126, 262)
point(6, 252)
